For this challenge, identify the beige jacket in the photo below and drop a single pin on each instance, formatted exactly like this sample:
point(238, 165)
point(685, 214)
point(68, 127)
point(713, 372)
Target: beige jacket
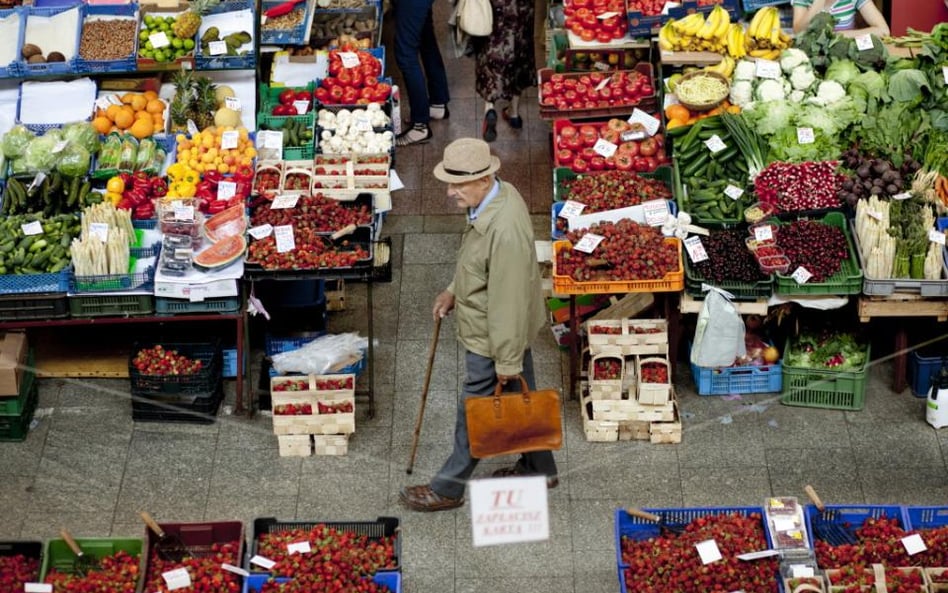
point(498, 297)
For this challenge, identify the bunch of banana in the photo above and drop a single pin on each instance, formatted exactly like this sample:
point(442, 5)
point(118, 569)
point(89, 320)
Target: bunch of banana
point(695, 33)
point(765, 38)
point(736, 41)
point(725, 67)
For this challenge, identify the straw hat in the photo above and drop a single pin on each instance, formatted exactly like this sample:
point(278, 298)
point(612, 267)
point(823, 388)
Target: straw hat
point(466, 159)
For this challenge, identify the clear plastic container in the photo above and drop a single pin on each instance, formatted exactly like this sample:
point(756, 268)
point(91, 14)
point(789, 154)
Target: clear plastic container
point(774, 263)
point(758, 211)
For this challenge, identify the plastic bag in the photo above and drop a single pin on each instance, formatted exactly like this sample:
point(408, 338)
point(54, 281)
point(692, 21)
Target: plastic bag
point(74, 161)
point(719, 335)
point(15, 142)
point(322, 355)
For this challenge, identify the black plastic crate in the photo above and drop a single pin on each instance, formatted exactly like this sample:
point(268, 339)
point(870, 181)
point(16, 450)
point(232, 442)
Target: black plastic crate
point(47, 305)
point(28, 549)
point(202, 410)
point(204, 381)
point(381, 527)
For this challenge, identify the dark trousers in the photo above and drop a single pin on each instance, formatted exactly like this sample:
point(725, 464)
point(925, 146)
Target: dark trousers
point(417, 47)
point(481, 380)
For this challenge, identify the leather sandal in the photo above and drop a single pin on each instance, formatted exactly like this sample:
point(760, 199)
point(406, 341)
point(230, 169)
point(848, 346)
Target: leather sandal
point(515, 122)
point(506, 472)
point(423, 498)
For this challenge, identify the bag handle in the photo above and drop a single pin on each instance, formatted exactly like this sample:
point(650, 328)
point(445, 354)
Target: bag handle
point(523, 387)
point(524, 393)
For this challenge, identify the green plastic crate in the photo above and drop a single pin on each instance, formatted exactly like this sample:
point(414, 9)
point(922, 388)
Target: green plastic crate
point(15, 428)
point(58, 555)
point(817, 388)
point(14, 406)
point(111, 305)
point(742, 291)
point(848, 280)
point(270, 98)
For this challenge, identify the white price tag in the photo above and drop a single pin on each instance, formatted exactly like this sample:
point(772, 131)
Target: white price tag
point(801, 275)
point(588, 243)
point(656, 212)
point(32, 228)
point(764, 233)
point(708, 551)
point(801, 571)
point(298, 548)
point(902, 196)
point(37, 180)
point(159, 40)
point(604, 148)
point(805, 136)
point(864, 42)
point(270, 138)
point(232, 103)
point(37, 588)
point(182, 212)
point(650, 123)
point(100, 230)
point(936, 237)
point(262, 231)
point(602, 83)
point(192, 128)
point(183, 253)
point(758, 555)
point(235, 569)
point(571, 208)
point(695, 249)
point(217, 48)
point(284, 238)
point(733, 192)
point(914, 544)
point(767, 69)
point(607, 15)
point(944, 73)
point(784, 524)
point(226, 190)
point(284, 201)
point(715, 144)
point(361, 121)
point(262, 562)
point(177, 578)
point(230, 139)
point(301, 106)
point(350, 59)
point(187, 65)
point(874, 214)
point(197, 294)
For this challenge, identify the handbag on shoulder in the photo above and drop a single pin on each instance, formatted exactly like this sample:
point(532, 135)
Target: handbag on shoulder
point(508, 423)
point(475, 17)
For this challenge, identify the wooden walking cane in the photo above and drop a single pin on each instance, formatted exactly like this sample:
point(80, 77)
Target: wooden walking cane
point(424, 394)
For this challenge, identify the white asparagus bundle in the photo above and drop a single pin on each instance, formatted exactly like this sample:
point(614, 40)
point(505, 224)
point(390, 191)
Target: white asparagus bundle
point(934, 261)
point(871, 228)
point(105, 212)
point(92, 257)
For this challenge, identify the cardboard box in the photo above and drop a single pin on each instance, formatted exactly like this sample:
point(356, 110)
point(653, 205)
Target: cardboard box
point(12, 357)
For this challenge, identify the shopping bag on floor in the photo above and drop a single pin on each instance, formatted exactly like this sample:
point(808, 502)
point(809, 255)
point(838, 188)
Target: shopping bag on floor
point(719, 333)
point(508, 423)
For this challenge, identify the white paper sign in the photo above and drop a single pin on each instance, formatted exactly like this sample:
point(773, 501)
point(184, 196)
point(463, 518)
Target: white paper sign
point(192, 128)
point(298, 547)
point(217, 48)
point(902, 196)
point(270, 138)
point(182, 212)
point(604, 148)
point(767, 69)
point(284, 201)
point(695, 249)
point(801, 571)
point(177, 578)
point(301, 106)
point(764, 233)
point(571, 208)
point(936, 237)
point(100, 230)
point(607, 15)
point(864, 42)
point(37, 588)
point(801, 275)
point(758, 555)
point(32, 228)
point(350, 59)
point(715, 144)
point(262, 562)
point(159, 40)
point(232, 103)
point(235, 569)
point(395, 182)
point(656, 212)
point(733, 192)
point(805, 136)
point(602, 83)
point(230, 139)
point(284, 238)
point(60, 146)
point(784, 524)
point(708, 551)
point(944, 73)
point(650, 123)
point(914, 544)
point(509, 510)
point(226, 190)
point(588, 242)
point(261, 232)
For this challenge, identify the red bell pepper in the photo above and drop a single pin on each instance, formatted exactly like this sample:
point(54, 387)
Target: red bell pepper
point(244, 173)
point(144, 211)
point(213, 177)
point(216, 206)
point(159, 187)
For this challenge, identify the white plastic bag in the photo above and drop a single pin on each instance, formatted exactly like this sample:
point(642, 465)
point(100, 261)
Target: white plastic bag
point(322, 355)
point(719, 335)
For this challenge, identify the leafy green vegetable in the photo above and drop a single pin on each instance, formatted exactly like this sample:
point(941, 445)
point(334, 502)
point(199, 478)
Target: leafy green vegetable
point(828, 350)
point(770, 116)
point(15, 141)
point(41, 154)
point(785, 146)
point(907, 86)
point(816, 40)
point(891, 132)
point(842, 71)
point(74, 161)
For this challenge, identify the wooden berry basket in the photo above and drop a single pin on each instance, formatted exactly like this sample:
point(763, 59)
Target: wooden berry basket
point(627, 340)
point(606, 388)
point(653, 393)
point(600, 431)
point(295, 445)
point(331, 444)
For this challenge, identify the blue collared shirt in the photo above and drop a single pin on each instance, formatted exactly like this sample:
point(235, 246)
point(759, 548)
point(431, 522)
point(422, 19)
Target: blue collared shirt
point(494, 190)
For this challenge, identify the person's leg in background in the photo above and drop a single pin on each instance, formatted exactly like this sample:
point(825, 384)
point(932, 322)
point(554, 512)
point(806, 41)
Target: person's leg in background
point(411, 17)
point(435, 72)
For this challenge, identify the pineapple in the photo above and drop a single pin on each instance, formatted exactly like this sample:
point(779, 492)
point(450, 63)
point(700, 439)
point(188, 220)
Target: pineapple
point(180, 108)
point(187, 24)
point(180, 112)
point(205, 102)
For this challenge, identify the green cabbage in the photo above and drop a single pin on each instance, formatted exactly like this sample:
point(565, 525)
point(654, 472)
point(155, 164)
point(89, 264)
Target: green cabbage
point(842, 71)
point(83, 134)
point(768, 117)
point(74, 161)
point(42, 153)
point(15, 142)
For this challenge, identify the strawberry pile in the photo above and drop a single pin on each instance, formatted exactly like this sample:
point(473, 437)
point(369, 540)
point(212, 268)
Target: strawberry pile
point(855, 579)
point(157, 360)
point(645, 330)
point(607, 369)
point(671, 563)
point(610, 190)
point(293, 410)
point(654, 372)
point(345, 407)
point(879, 541)
point(313, 251)
point(606, 330)
point(206, 573)
point(314, 212)
point(292, 385)
point(115, 574)
point(318, 580)
point(334, 384)
point(16, 570)
point(628, 251)
point(334, 555)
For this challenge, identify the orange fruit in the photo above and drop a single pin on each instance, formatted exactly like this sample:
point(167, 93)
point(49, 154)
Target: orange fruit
point(159, 120)
point(676, 111)
point(771, 355)
point(142, 128)
point(112, 111)
point(128, 97)
point(124, 119)
point(139, 103)
point(675, 123)
point(150, 95)
point(102, 124)
point(155, 106)
point(142, 115)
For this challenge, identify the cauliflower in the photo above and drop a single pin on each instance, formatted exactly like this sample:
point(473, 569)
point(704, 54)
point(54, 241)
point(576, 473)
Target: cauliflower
point(827, 93)
point(791, 58)
point(742, 92)
point(745, 70)
point(797, 96)
point(770, 90)
point(802, 77)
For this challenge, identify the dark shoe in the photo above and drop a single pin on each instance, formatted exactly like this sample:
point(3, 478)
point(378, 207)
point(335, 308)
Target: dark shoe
point(506, 472)
point(514, 122)
point(489, 131)
point(439, 112)
point(423, 498)
point(416, 134)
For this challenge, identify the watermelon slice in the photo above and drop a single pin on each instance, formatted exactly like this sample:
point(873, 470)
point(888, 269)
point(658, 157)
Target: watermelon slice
point(226, 223)
point(222, 253)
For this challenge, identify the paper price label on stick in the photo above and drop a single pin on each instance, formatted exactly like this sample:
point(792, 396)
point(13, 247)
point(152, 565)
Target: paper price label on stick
point(160, 39)
point(805, 136)
point(301, 106)
point(284, 238)
point(226, 190)
point(650, 123)
point(708, 551)
point(801, 275)
point(232, 103)
point(270, 138)
point(284, 201)
point(605, 148)
point(715, 144)
point(757, 555)
point(764, 233)
point(183, 212)
point(914, 544)
point(571, 208)
point(602, 84)
point(588, 243)
point(217, 48)
point(799, 571)
point(695, 249)
point(177, 578)
point(37, 588)
point(32, 228)
point(784, 524)
point(656, 212)
point(607, 15)
point(261, 232)
point(767, 69)
point(230, 139)
point(733, 192)
point(262, 562)
point(235, 569)
point(100, 230)
point(192, 128)
point(936, 237)
point(298, 548)
point(864, 42)
point(902, 196)
point(350, 59)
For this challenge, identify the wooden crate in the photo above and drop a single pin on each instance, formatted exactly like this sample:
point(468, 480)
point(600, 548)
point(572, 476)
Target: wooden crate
point(652, 393)
point(331, 444)
point(634, 430)
point(338, 423)
point(315, 423)
point(335, 295)
point(818, 584)
point(596, 430)
point(312, 382)
point(627, 341)
point(606, 388)
point(666, 432)
point(295, 445)
point(939, 586)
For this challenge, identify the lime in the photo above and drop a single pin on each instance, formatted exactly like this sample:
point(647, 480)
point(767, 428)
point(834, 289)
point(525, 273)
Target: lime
point(143, 36)
point(180, 53)
point(177, 43)
point(188, 44)
point(146, 53)
point(149, 45)
point(161, 56)
point(149, 20)
point(169, 20)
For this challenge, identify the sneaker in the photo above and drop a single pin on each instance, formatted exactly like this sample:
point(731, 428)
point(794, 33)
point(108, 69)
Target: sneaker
point(439, 111)
point(489, 130)
point(417, 134)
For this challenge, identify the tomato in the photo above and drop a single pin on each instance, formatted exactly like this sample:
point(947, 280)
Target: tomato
point(287, 96)
point(623, 161)
point(611, 135)
point(630, 148)
point(568, 131)
point(587, 35)
point(597, 163)
point(564, 156)
point(572, 142)
point(651, 163)
point(648, 147)
point(580, 165)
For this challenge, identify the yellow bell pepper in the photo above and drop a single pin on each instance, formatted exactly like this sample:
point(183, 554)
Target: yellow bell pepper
point(113, 197)
point(176, 171)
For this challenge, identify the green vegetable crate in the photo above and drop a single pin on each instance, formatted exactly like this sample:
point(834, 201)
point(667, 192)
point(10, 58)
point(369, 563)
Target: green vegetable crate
point(819, 388)
point(16, 413)
point(58, 556)
point(848, 280)
point(742, 291)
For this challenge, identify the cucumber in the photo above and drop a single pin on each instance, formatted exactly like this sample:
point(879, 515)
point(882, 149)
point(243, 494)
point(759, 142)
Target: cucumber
point(699, 164)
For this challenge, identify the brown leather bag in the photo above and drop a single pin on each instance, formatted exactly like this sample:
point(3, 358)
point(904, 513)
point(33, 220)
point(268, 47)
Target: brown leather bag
point(506, 423)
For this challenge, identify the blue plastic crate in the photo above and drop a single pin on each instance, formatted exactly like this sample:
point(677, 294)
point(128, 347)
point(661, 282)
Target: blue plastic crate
point(754, 5)
point(12, 70)
point(145, 223)
point(392, 580)
point(557, 207)
point(742, 379)
point(294, 36)
point(733, 8)
point(225, 62)
point(29, 283)
point(276, 345)
point(851, 516)
point(229, 368)
point(921, 369)
point(94, 12)
point(144, 280)
point(926, 517)
point(48, 68)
